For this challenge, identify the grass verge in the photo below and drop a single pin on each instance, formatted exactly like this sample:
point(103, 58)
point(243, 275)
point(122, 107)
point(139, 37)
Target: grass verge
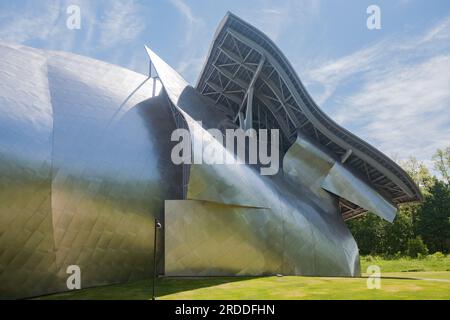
point(430, 280)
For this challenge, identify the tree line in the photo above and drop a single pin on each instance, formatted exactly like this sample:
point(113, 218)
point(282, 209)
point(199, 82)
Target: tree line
point(419, 228)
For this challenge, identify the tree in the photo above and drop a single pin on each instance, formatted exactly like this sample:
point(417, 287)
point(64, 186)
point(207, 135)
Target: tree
point(441, 162)
point(368, 233)
point(422, 177)
point(377, 236)
point(418, 172)
point(416, 247)
point(397, 234)
point(417, 225)
point(433, 223)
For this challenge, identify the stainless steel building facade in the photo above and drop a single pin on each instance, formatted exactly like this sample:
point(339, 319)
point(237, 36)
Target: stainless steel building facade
point(85, 168)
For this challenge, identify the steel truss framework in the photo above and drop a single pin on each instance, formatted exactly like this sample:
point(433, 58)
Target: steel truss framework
point(246, 74)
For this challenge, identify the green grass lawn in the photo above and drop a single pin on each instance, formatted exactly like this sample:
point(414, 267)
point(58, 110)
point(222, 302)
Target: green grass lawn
point(429, 263)
point(432, 281)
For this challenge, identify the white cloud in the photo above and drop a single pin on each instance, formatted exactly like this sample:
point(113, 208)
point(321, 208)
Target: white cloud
point(404, 111)
point(192, 22)
point(438, 32)
point(377, 58)
point(121, 23)
point(33, 22)
point(46, 22)
point(195, 46)
point(106, 28)
point(401, 103)
point(332, 73)
point(273, 17)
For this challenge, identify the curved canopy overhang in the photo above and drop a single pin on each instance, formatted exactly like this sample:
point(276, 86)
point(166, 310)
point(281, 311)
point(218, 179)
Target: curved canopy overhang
point(247, 76)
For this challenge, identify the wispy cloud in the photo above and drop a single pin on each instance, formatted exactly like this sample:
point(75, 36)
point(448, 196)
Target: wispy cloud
point(400, 99)
point(193, 23)
point(120, 23)
point(332, 73)
point(194, 46)
point(438, 32)
point(405, 110)
point(106, 28)
point(275, 17)
point(380, 56)
point(33, 22)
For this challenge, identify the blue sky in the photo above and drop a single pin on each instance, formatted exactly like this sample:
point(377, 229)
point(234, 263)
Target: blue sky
point(390, 86)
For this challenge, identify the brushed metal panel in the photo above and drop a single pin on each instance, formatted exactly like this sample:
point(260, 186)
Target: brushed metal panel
point(315, 240)
point(206, 238)
point(308, 164)
point(102, 171)
point(107, 184)
point(80, 171)
point(27, 253)
point(343, 183)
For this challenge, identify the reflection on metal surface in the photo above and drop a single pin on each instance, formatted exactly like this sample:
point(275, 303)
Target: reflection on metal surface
point(212, 239)
point(207, 238)
point(27, 253)
point(344, 184)
point(314, 239)
point(307, 163)
point(85, 169)
point(76, 187)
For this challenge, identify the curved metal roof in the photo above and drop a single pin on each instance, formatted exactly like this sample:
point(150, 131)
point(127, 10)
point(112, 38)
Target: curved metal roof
point(242, 58)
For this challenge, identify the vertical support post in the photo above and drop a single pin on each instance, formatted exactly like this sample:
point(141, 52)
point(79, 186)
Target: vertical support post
point(249, 112)
point(157, 226)
point(248, 98)
point(150, 69)
point(150, 72)
point(241, 120)
point(154, 86)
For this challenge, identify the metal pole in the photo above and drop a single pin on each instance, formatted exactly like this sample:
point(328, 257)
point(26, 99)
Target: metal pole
point(154, 87)
point(154, 260)
point(150, 69)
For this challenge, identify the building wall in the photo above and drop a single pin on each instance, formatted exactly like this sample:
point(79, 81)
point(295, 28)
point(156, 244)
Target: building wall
point(80, 171)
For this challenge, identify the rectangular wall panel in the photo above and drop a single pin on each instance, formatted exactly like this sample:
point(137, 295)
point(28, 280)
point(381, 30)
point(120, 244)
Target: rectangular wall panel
point(212, 239)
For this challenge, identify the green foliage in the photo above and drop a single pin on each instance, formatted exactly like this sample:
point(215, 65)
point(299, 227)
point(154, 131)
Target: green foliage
point(397, 234)
point(376, 236)
point(437, 256)
point(432, 262)
point(430, 220)
point(418, 172)
point(368, 233)
point(417, 248)
point(441, 162)
point(433, 219)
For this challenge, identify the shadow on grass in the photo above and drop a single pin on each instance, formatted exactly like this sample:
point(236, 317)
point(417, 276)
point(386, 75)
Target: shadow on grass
point(142, 290)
